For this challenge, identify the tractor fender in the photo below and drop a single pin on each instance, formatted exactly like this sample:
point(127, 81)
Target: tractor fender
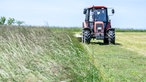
point(113, 29)
point(86, 29)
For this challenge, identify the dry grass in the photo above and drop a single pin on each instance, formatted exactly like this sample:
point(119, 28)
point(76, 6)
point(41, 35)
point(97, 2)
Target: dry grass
point(134, 41)
point(32, 54)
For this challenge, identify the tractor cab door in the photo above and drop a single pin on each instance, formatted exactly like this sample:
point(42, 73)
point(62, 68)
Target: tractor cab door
point(89, 19)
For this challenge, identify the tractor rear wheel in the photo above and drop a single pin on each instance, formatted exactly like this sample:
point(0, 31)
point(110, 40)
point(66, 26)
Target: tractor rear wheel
point(111, 36)
point(86, 36)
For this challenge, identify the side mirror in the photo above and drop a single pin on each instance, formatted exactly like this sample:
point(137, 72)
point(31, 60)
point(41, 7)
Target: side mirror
point(85, 11)
point(113, 11)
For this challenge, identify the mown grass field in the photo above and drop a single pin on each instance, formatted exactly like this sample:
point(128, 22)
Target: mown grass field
point(40, 54)
point(134, 41)
point(123, 62)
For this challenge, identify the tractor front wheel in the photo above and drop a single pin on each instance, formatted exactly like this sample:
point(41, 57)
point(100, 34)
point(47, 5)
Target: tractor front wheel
point(111, 36)
point(86, 36)
point(106, 41)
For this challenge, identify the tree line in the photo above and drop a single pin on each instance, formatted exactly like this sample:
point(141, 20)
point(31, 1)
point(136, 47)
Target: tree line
point(10, 21)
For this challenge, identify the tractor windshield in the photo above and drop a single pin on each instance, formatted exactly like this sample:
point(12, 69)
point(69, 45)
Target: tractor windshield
point(98, 15)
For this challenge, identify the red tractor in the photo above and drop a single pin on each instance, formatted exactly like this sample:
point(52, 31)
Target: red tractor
point(97, 25)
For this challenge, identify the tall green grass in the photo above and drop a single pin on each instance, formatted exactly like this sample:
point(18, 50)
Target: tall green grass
point(39, 54)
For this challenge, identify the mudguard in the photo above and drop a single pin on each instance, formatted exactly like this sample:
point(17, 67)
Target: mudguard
point(87, 29)
point(113, 29)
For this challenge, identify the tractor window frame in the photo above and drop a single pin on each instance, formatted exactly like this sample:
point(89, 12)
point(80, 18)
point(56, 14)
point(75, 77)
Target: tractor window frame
point(90, 19)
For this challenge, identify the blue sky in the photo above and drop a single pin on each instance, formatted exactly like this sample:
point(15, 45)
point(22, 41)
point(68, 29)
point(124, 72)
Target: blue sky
point(128, 13)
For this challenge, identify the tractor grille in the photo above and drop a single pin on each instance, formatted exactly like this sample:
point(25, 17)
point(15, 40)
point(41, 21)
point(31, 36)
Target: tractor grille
point(98, 27)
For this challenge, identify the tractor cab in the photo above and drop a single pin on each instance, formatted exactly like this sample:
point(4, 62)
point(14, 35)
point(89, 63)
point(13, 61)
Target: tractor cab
point(94, 14)
point(97, 23)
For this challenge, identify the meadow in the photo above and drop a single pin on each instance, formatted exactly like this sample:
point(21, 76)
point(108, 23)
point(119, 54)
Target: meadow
point(123, 62)
point(32, 54)
point(51, 54)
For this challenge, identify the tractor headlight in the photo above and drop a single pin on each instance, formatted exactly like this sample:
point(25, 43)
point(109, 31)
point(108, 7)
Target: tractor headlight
point(99, 28)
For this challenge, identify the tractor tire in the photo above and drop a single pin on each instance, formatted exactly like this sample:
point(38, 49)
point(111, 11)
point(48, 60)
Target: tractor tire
point(86, 36)
point(106, 41)
point(111, 37)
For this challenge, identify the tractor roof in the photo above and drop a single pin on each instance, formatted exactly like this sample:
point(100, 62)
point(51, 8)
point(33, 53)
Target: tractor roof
point(98, 7)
